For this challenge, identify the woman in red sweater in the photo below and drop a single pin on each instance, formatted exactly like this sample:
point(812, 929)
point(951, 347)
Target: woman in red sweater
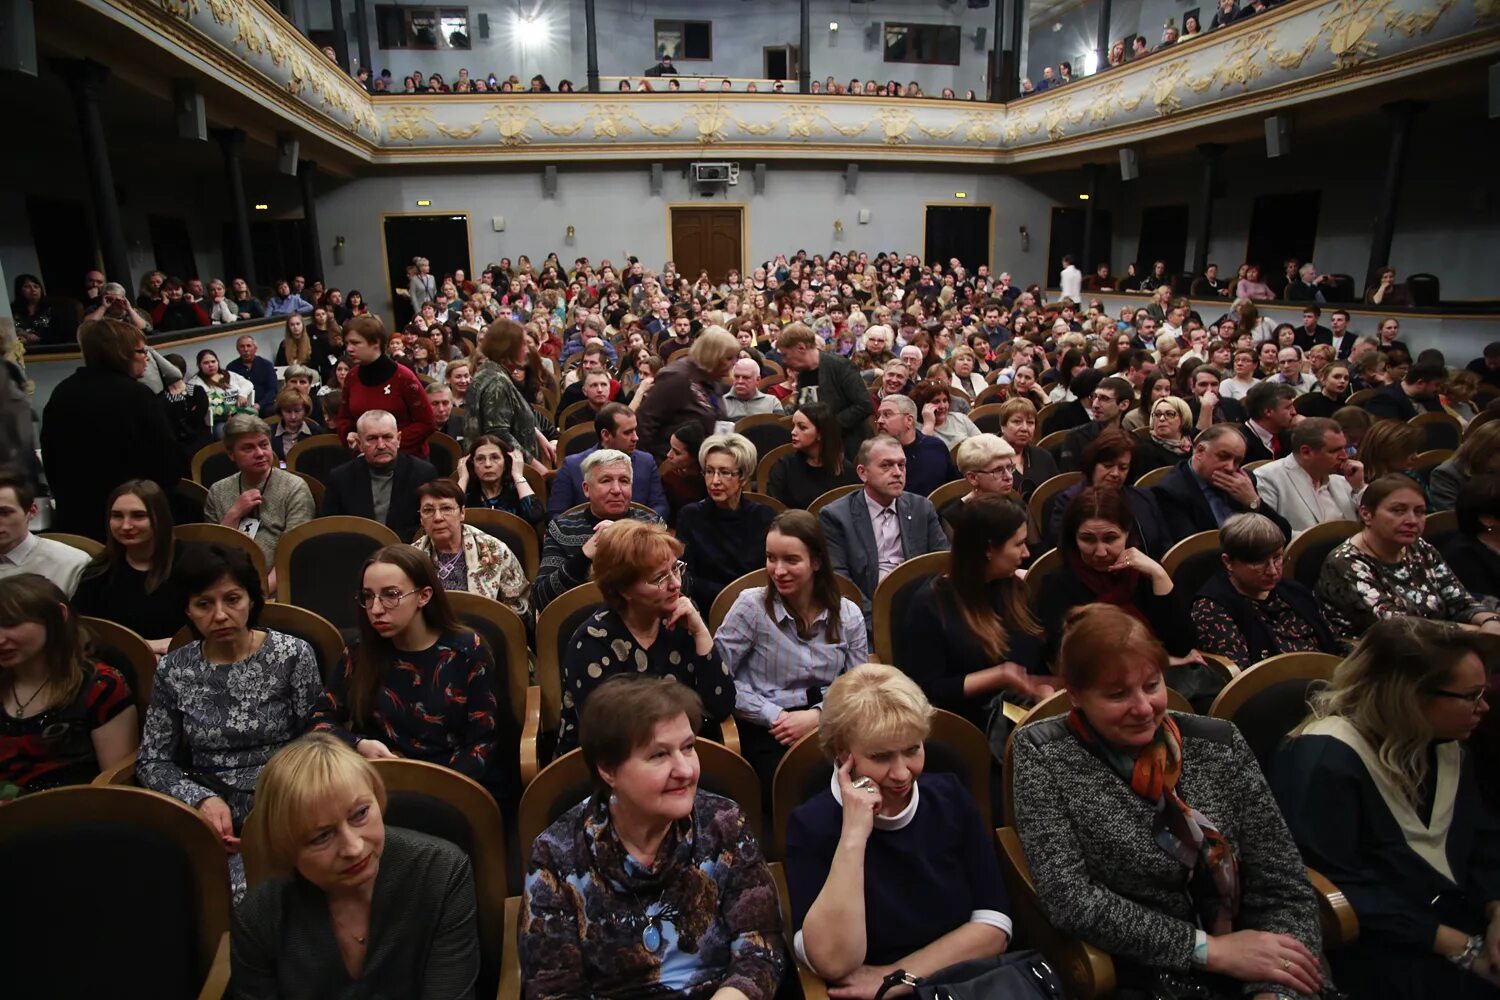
point(378, 383)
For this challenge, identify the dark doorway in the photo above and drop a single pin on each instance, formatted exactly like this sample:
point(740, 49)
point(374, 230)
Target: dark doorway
point(172, 247)
point(62, 232)
point(1164, 233)
point(961, 231)
point(1067, 238)
point(1282, 226)
point(442, 239)
point(708, 239)
point(276, 245)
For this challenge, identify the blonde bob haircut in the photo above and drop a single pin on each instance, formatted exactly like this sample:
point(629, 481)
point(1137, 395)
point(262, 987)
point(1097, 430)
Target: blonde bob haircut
point(714, 346)
point(974, 453)
point(736, 446)
point(1184, 414)
point(873, 704)
point(625, 553)
point(302, 774)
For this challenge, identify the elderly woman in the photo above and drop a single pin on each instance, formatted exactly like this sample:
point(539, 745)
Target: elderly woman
point(968, 633)
point(648, 625)
point(938, 419)
point(494, 478)
point(1248, 612)
point(1473, 552)
point(1381, 795)
point(889, 869)
point(466, 558)
point(1478, 454)
point(687, 390)
point(965, 376)
point(223, 704)
point(786, 642)
point(817, 464)
point(64, 716)
point(651, 885)
point(1106, 464)
point(87, 454)
point(1153, 836)
point(376, 382)
point(988, 465)
point(1389, 570)
point(354, 906)
point(1170, 437)
point(1034, 465)
point(495, 405)
point(724, 535)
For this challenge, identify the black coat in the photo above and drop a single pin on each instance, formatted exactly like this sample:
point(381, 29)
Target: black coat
point(1258, 637)
point(349, 492)
point(99, 428)
point(1186, 511)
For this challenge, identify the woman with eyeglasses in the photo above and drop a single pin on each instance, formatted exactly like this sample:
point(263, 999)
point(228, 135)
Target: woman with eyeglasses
point(648, 625)
point(1380, 794)
point(417, 683)
point(1169, 441)
point(467, 558)
point(723, 536)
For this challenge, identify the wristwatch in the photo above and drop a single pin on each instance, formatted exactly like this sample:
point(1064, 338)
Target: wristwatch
point(1255, 504)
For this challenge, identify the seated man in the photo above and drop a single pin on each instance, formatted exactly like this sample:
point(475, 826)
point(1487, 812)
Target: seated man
point(873, 530)
point(1206, 406)
point(1317, 481)
point(1289, 371)
point(1269, 408)
point(1208, 487)
point(616, 426)
point(1414, 394)
point(594, 354)
point(596, 394)
point(23, 552)
point(928, 461)
point(257, 371)
point(449, 421)
point(568, 549)
point(745, 397)
point(1108, 404)
point(260, 500)
point(294, 408)
point(382, 487)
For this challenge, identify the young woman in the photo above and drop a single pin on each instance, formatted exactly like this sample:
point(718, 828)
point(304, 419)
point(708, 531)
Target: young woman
point(818, 463)
point(228, 393)
point(1333, 389)
point(492, 477)
point(63, 716)
point(378, 383)
point(416, 684)
point(296, 346)
point(131, 583)
point(786, 642)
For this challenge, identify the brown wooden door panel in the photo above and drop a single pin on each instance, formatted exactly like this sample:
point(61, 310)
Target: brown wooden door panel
point(707, 239)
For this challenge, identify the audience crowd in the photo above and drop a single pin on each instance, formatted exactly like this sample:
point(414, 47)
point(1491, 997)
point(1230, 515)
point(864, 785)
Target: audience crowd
point(738, 467)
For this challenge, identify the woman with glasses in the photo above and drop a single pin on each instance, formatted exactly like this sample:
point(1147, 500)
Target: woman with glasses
point(1380, 794)
point(1169, 441)
point(466, 558)
point(417, 683)
point(1034, 465)
point(723, 536)
point(647, 626)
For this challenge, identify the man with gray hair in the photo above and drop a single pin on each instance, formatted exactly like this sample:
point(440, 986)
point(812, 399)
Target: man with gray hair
point(259, 500)
point(929, 464)
point(568, 549)
point(382, 483)
point(745, 397)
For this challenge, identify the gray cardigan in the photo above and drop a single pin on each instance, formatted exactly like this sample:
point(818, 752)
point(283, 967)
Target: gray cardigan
point(1101, 875)
point(424, 943)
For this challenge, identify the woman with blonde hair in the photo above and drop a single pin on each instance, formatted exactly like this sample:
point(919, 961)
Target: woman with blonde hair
point(1381, 797)
point(354, 905)
point(296, 346)
point(687, 390)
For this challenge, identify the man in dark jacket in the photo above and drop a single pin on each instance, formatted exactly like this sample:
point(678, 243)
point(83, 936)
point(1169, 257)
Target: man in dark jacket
point(1207, 488)
point(258, 371)
point(1415, 394)
point(1107, 406)
point(383, 486)
point(825, 377)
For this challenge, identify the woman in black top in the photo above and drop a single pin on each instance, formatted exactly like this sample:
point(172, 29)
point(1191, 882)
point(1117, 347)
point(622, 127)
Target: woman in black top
point(818, 464)
point(724, 535)
point(1473, 553)
point(131, 582)
point(492, 477)
point(1333, 389)
point(968, 633)
point(38, 320)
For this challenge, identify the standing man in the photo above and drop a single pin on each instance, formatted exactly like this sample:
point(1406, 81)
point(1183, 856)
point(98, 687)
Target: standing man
point(825, 377)
point(1071, 280)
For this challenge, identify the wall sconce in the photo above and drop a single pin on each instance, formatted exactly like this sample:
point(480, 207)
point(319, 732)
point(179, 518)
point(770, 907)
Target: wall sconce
point(571, 232)
point(1025, 240)
point(838, 229)
point(338, 251)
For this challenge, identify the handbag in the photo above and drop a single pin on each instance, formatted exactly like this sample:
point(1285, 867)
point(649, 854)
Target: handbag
point(1018, 975)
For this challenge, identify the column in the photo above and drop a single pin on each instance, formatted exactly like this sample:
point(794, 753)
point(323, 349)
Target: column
point(232, 144)
point(312, 247)
point(1210, 153)
point(362, 26)
point(591, 30)
point(340, 33)
point(1091, 172)
point(998, 59)
point(1009, 70)
point(1101, 40)
point(1401, 115)
point(804, 51)
point(86, 79)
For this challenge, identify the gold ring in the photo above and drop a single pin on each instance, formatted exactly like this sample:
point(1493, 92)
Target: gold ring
point(865, 784)
point(1286, 964)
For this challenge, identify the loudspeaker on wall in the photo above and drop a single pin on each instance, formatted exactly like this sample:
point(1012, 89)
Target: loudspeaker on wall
point(191, 120)
point(760, 178)
point(1278, 136)
point(851, 178)
point(286, 155)
point(484, 25)
point(549, 182)
point(872, 35)
point(656, 180)
point(1130, 167)
point(18, 36)
point(980, 34)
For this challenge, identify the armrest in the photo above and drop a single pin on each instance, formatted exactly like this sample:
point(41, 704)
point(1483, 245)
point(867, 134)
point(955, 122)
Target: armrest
point(510, 952)
point(730, 731)
point(531, 726)
point(813, 987)
point(1340, 923)
point(218, 973)
point(122, 773)
point(1226, 668)
point(1086, 971)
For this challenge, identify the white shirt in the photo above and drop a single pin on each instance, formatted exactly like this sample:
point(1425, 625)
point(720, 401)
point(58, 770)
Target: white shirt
point(62, 564)
point(1072, 283)
point(1233, 388)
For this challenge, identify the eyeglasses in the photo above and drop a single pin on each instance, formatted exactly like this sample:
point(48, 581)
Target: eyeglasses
point(1008, 469)
point(721, 473)
point(388, 598)
point(675, 573)
point(1473, 698)
point(446, 510)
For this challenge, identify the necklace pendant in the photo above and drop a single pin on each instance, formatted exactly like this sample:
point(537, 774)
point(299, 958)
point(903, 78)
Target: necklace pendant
point(651, 937)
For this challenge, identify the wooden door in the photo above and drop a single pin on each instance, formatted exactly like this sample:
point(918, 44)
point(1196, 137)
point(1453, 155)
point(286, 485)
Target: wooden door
point(707, 239)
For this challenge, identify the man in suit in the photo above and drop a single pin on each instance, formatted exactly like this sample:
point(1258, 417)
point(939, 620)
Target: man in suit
point(825, 377)
point(1107, 406)
point(1316, 481)
point(383, 487)
point(1208, 487)
point(616, 427)
point(449, 420)
point(873, 530)
point(1269, 407)
point(1414, 394)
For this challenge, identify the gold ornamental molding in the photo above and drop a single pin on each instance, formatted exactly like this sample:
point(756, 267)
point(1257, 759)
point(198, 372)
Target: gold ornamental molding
point(1303, 51)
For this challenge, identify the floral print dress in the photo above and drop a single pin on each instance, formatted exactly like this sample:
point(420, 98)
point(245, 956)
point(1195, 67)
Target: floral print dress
point(1358, 590)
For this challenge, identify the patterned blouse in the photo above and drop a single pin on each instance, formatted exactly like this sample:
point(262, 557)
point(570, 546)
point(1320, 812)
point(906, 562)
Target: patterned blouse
point(487, 567)
point(603, 646)
point(703, 917)
point(212, 726)
point(437, 705)
point(1358, 590)
point(56, 747)
point(1218, 634)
